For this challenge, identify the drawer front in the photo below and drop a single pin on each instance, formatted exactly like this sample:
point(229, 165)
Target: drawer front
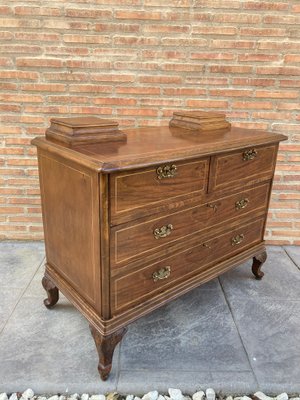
point(243, 166)
point(152, 187)
point(145, 282)
point(133, 241)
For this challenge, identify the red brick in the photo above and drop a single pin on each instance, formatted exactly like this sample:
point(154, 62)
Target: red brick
point(230, 92)
point(233, 44)
point(182, 91)
point(264, 5)
point(281, 19)
point(90, 88)
point(207, 103)
point(215, 30)
point(117, 28)
point(88, 13)
point(258, 57)
point(218, 4)
point(166, 28)
point(253, 82)
point(44, 11)
point(249, 31)
point(277, 94)
point(140, 15)
point(278, 70)
point(212, 56)
point(96, 39)
point(227, 69)
point(160, 79)
point(39, 62)
point(138, 90)
point(252, 105)
point(292, 58)
point(238, 18)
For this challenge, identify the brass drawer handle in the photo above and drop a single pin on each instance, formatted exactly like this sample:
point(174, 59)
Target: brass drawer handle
point(237, 239)
point(163, 232)
point(242, 203)
point(249, 154)
point(162, 273)
point(167, 171)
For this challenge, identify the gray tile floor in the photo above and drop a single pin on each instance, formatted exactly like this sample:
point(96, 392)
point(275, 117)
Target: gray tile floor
point(234, 334)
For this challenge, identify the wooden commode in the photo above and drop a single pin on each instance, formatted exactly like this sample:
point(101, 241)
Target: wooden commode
point(135, 218)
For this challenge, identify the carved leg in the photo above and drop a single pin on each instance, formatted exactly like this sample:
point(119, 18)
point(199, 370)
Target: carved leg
point(105, 347)
point(257, 264)
point(52, 292)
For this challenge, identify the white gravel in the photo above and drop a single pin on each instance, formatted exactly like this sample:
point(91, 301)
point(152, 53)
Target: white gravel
point(173, 394)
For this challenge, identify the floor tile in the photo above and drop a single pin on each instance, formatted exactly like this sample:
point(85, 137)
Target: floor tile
point(294, 253)
point(281, 280)
point(270, 332)
point(194, 333)
point(50, 351)
point(19, 262)
point(143, 381)
point(8, 301)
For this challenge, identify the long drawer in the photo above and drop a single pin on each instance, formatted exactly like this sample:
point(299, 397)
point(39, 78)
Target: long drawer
point(143, 283)
point(132, 241)
point(138, 193)
point(241, 167)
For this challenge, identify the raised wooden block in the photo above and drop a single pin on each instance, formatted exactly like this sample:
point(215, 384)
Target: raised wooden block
point(84, 130)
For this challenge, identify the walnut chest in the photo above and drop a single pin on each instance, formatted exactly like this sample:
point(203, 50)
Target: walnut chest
point(134, 219)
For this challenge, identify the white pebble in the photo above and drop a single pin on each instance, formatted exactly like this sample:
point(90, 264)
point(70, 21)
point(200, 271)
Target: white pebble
point(28, 394)
point(198, 395)
point(175, 394)
point(53, 397)
point(137, 398)
point(229, 398)
point(262, 396)
point(160, 397)
point(246, 398)
point(97, 397)
point(13, 396)
point(85, 396)
point(151, 395)
point(282, 396)
point(210, 394)
point(3, 396)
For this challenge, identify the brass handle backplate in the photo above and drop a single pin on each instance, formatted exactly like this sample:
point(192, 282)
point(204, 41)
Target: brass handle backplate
point(162, 273)
point(237, 239)
point(166, 171)
point(213, 206)
point(249, 154)
point(242, 203)
point(163, 232)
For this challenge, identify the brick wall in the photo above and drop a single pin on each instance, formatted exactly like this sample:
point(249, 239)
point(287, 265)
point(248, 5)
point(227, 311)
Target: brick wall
point(138, 61)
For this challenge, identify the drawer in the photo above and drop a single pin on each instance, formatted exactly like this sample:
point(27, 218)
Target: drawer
point(243, 166)
point(138, 193)
point(144, 283)
point(133, 241)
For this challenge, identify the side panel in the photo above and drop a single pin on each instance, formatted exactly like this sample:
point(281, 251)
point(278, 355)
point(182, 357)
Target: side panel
point(70, 201)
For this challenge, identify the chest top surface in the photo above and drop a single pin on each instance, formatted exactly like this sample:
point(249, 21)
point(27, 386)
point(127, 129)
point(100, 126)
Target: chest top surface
point(152, 145)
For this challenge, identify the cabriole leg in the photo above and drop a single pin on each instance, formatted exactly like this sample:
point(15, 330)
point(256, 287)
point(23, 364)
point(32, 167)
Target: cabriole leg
point(52, 292)
point(105, 347)
point(258, 262)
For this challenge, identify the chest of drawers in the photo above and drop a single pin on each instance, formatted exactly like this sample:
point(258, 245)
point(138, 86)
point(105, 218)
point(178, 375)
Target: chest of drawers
point(133, 220)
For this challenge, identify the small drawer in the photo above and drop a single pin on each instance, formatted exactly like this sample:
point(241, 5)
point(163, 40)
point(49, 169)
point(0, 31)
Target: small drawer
point(144, 283)
point(243, 166)
point(133, 241)
point(138, 193)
